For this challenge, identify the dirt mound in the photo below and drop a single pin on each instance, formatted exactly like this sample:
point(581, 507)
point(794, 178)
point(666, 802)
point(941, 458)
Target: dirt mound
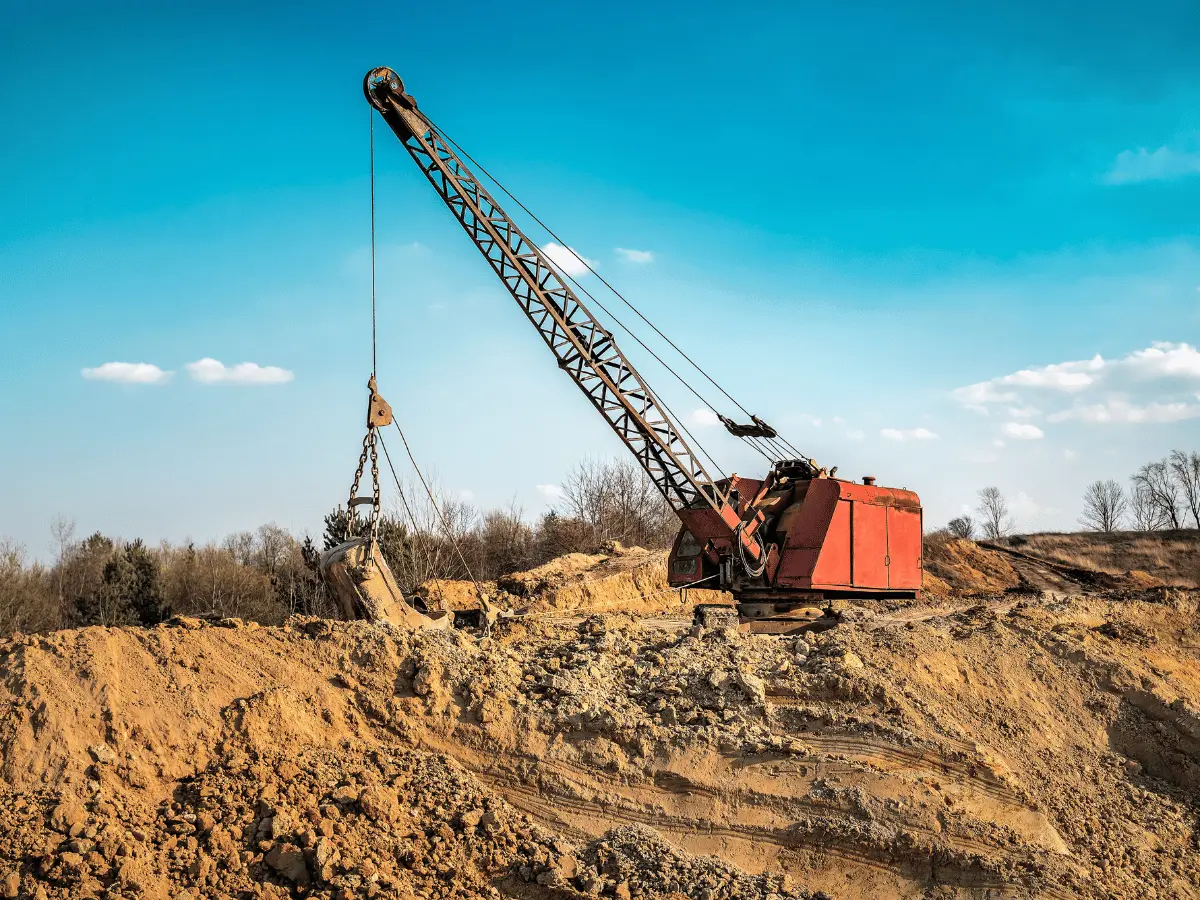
point(947, 751)
point(627, 579)
point(955, 566)
point(988, 750)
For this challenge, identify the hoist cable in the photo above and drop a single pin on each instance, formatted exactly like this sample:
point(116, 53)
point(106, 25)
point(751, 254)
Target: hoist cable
point(433, 502)
point(770, 457)
point(621, 325)
point(602, 279)
point(437, 586)
point(373, 341)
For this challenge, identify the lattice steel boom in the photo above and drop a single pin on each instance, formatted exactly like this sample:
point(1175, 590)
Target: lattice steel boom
point(583, 347)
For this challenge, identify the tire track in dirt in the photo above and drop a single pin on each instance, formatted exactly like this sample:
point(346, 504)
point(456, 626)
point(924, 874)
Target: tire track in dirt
point(752, 827)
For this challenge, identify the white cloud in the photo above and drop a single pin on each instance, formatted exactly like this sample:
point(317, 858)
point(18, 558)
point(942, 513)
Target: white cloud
point(703, 417)
point(856, 434)
point(127, 373)
point(1155, 384)
point(1022, 431)
point(998, 443)
point(1069, 377)
point(567, 260)
point(635, 256)
point(466, 496)
point(908, 434)
point(212, 371)
point(1165, 360)
point(1132, 166)
point(550, 491)
point(1121, 411)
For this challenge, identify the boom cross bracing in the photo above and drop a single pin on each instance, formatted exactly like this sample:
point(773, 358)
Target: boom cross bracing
point(780, 543)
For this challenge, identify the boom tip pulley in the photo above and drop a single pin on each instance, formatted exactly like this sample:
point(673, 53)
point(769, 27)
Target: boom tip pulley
point(382, 83)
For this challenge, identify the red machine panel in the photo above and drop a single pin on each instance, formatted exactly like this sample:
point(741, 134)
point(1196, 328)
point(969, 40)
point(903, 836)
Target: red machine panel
point(904, 549)
point(869, 562)
point(833, 565)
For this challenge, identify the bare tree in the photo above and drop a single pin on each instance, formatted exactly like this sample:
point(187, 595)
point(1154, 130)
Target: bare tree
point(994, 513)
point(1185, 469)
point(1104, 506)
point(1143, 511)
point(619, 502)
point(62, 530)
point(1156, 482)
point(962, 527)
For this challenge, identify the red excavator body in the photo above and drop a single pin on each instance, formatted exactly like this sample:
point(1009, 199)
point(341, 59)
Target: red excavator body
point(825, 538)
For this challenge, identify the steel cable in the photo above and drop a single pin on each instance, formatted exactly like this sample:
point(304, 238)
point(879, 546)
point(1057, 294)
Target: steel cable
point(458, 147)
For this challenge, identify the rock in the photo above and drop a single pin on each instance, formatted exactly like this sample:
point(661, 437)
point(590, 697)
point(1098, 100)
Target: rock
point(12, 884)
point(752, 686)
point(102, 754)
point(68, 815)
point(621, 891)
point(471, 818)
point(379, 805)
point(288, 861)
point(324, 852)
point(850, 661)
point(566, 867)
point(424, 681)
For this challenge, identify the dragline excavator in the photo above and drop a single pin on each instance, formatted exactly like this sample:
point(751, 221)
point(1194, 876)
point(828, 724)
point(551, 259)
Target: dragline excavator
point(784, 544)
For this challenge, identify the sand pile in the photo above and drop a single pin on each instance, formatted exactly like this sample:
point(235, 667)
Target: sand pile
point(625, 579)
point(956, 566)
point(1021, 747)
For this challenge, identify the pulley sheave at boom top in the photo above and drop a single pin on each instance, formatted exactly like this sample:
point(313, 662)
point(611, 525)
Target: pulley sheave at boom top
point(779, 543)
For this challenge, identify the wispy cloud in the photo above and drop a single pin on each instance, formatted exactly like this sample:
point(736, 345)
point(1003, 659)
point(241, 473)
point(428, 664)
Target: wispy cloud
point(1120, 411)
point(1133, 166)
point(1153, 385)
point(635, 256)
point(1023, 431)
point(212, 371)
point(567, 260)
point(908, 434)
point(703, 417)
point(127, 373)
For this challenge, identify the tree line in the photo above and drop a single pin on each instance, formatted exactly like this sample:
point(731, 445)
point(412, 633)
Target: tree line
point(268, 574)
point(1163, 494)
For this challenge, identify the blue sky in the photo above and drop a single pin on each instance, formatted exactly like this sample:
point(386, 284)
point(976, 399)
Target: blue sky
point(947, 245)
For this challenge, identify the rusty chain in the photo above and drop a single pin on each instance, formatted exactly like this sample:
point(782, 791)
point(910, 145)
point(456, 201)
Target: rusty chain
point(369, 450)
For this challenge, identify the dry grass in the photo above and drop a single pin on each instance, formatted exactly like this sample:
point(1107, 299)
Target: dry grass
point(1173, 556)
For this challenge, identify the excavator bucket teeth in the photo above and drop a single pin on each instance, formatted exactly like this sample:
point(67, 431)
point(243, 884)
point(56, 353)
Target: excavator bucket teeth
point(365, 588)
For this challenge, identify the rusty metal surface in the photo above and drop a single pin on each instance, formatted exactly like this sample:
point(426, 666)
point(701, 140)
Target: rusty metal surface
point(379, 411)
point(365, 588)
